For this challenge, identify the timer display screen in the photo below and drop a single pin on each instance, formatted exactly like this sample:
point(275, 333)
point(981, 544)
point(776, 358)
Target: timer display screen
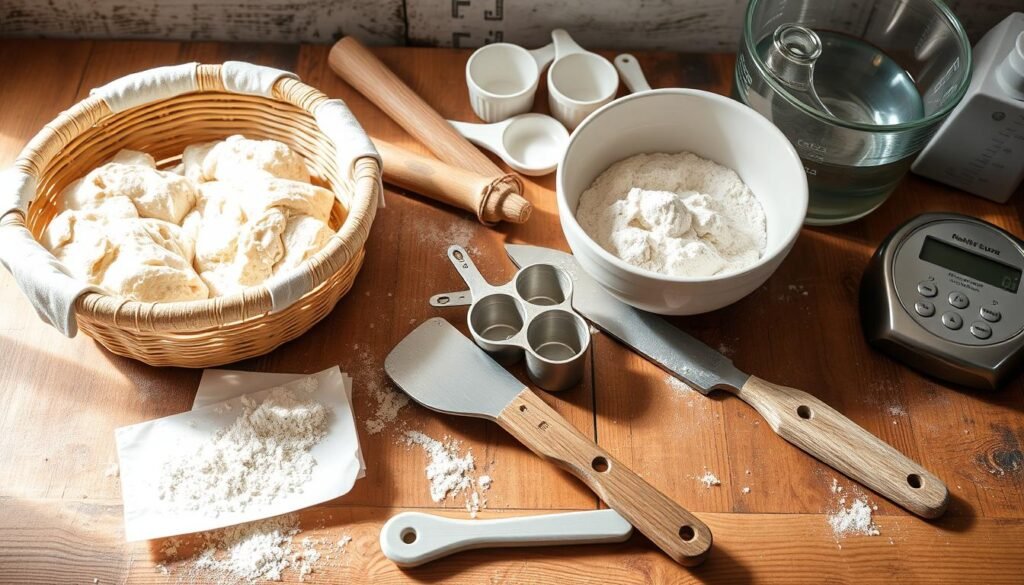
point(970, 264)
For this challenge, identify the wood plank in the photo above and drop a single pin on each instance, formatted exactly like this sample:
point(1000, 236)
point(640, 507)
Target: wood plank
point(64, 541)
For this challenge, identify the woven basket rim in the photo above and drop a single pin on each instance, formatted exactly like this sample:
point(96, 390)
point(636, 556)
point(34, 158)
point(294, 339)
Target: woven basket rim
point(251, 302)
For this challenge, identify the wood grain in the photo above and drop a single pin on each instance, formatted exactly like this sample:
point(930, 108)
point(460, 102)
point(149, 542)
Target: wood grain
point(671, 527)
point(831, 438)
point(62, 398)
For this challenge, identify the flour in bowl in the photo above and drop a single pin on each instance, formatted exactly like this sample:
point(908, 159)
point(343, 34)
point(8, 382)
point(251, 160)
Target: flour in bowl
point(675, 214)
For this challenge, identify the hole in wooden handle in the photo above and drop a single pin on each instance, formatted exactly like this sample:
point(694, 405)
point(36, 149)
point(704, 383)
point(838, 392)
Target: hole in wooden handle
point(687, 533)
point(600, 464)
point(804, 412)
point(522, 408)
point(408, 535)
point(915, 481)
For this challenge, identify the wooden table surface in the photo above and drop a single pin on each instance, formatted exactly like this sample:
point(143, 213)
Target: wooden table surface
point(61, 399)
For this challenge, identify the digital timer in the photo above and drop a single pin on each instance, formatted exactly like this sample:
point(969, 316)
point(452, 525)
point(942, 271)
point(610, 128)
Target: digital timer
point(942, 294)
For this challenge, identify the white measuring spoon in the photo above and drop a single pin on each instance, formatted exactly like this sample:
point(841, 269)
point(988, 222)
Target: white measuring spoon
point(532, 144)
point(410, 539)
point(631, 73)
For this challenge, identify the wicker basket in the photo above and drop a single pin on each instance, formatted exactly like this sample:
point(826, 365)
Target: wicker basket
point(222, 329)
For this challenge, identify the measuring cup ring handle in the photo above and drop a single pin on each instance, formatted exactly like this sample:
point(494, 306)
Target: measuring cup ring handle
point(478, 285)
point(564, 44)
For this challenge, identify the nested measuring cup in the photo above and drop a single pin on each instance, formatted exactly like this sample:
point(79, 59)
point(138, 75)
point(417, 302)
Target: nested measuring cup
point(529, 316)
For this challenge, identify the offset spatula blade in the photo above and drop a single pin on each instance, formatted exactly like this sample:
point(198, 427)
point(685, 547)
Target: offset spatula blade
point(443, 370)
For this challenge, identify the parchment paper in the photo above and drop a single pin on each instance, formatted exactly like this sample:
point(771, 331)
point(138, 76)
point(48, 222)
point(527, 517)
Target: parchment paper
point(143, 448)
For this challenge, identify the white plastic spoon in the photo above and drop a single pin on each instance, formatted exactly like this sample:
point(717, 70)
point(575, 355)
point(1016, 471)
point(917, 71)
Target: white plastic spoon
point(631, 73)
point(532, 144)
point(410, 539)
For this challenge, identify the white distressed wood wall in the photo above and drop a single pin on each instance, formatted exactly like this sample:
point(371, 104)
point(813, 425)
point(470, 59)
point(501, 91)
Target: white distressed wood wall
point(680, 25)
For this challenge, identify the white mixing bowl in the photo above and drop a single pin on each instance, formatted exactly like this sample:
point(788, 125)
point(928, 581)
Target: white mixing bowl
point(708, 125)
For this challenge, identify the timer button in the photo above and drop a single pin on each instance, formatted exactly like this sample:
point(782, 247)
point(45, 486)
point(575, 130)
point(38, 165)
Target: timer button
point(981, 330)
point(958, 300)
point(927, 288)
point(924, 308)
point(991, 315)
point(952, 320)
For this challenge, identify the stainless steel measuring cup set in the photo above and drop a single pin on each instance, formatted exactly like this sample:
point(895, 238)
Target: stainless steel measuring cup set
point(530, 316)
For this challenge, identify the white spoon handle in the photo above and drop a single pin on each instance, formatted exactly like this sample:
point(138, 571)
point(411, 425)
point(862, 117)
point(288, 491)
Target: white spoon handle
point(413, 538)
point(631, 73)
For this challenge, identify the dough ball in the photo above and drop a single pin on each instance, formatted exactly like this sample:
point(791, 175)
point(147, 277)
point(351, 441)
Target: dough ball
point(133, 157)
point(155, 194)
point(192, 160)
point(303, 237)
point(260, 246)
point(262, 193)
point(240, 158)
point(79, 240)
point(214, 226)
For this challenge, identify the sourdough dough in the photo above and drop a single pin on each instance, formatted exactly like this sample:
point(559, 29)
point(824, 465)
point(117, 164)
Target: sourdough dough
point(239, 158)
point(235, 213)
point(154, 194)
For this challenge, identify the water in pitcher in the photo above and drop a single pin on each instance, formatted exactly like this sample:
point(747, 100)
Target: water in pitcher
point(855, 82)
point(849, 173)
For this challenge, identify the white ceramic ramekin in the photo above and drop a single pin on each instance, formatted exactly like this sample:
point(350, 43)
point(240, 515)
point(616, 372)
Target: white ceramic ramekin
point(502, 79)
point(706, 124)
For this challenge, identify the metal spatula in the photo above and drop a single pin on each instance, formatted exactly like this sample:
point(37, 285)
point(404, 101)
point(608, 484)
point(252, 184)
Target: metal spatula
point(444, 371)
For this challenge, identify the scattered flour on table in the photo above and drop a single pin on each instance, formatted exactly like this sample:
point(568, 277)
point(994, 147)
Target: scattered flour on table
point(263, 454)
point(675, 214)
point(388, 401)
point(709, 479)
point(264, 550)
point(460, 231)
point(896, 409)
point(745, 490)
point(450, 473)
point(855, 519)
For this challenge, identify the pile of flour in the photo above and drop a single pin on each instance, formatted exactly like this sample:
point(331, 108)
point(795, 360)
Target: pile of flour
point(675, 214)
point(263, 454)
point(451, 474)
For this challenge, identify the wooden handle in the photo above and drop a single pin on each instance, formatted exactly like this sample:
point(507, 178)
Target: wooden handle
point(834, 439)
point(363, 71)
point(492, 199)
point(674, 530)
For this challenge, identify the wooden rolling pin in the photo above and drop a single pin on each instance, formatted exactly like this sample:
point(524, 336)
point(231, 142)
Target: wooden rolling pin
point(363, 71)
point(492, 199)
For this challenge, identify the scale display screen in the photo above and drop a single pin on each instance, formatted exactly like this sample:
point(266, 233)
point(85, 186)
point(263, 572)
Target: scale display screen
point(969, 264)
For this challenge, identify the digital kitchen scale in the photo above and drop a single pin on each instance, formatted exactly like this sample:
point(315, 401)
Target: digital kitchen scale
point(942, 294)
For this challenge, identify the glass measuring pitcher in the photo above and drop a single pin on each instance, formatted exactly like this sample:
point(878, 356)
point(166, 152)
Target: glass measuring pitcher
point(858, 88)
